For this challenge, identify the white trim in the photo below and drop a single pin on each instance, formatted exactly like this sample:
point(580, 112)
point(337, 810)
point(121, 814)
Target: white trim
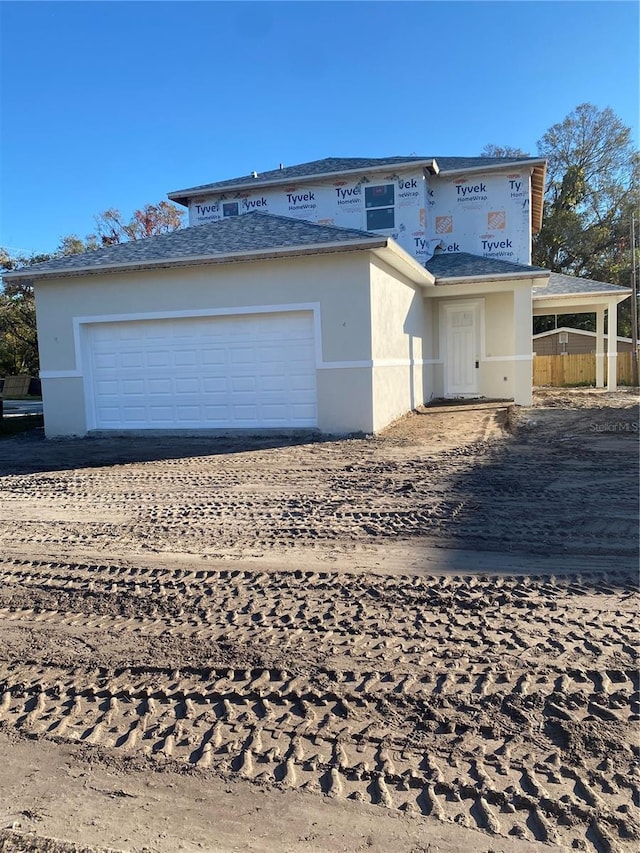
point(378, 362)
point(503, 276)
point(196, 312)
point(584, 295)
point(323, 365)
point(343, 365)
point(507, 358)
point(396, 362)
point(60, 374)
point(81, 339)
point(493, 167)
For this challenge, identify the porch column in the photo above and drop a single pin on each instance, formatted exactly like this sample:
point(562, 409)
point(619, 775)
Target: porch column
point(523, 345)
point(612, 348)
point(600, 346)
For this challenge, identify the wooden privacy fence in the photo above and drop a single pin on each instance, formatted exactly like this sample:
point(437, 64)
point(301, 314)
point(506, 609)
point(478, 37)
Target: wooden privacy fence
point(580, 369)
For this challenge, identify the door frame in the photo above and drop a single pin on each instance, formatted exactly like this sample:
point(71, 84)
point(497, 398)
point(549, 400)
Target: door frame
point(476, 306)
point(83, 325)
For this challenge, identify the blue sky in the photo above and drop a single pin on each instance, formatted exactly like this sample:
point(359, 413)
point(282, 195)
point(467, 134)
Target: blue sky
point(115, 104)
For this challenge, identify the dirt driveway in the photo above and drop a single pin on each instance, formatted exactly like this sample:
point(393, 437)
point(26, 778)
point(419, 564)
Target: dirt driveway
point(403, 643)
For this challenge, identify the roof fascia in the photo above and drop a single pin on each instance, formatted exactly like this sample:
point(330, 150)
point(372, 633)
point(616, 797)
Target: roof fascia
point(201, 260)
point(478, 287)
point(511, 276)
point(396, 257)
point(190, 192)
point(585, 296)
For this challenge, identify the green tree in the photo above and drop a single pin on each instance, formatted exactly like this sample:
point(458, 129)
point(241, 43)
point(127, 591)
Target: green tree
point(18, 341)
point(593, 184)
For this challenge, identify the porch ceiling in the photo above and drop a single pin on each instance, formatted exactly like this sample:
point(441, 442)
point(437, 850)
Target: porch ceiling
point(576, 303)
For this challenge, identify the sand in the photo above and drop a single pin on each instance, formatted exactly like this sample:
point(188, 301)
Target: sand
point(421, 641)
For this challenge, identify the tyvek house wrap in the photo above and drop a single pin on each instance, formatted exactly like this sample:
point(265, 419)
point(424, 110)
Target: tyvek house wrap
point(486, 215)
point(337, 202)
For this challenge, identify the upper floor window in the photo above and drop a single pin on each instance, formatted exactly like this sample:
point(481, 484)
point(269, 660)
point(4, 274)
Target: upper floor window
point(379, 202)
point(230, 208)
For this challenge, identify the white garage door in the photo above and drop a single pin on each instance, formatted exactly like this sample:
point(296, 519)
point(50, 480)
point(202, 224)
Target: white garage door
point(240, 371)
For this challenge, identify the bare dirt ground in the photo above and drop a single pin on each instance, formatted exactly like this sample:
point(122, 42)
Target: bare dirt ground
point(422, 641)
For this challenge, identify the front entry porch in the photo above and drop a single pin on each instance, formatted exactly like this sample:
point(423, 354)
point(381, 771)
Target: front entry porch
point(599, 304)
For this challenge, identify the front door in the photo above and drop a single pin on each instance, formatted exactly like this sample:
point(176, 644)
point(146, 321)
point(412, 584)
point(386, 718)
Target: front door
point(462, 365)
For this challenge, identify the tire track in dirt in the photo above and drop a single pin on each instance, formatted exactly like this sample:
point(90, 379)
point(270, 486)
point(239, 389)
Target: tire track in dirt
point(500, 703)
point(487, 493)
point(513, 619)
point(276, 728)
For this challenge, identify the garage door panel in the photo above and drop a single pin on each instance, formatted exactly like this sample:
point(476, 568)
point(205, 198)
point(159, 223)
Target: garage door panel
point(131, 359)
point(240, 384)
point(273, 383)
point(105, 361)
point(187, 414)
point(214, 384)
point(185, 358)
point(303, 411)
point(188, 385)
point(219, 372)
point(209, 356)
point(159, 386)
point(158, 358)
point(301, 382)
point(107, 387)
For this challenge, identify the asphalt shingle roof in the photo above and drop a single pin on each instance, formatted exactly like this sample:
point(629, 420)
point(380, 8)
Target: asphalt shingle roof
point(330, 165)
point(303, 170)
point(463, 264)
point(236, 234)
point(560, 284)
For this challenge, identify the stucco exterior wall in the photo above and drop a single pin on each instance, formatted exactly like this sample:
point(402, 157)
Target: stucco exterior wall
point(338, 285)
point(397, 335)
point(504, 344)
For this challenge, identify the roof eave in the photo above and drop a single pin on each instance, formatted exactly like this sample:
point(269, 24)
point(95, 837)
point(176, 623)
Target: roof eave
point(538, 180)
point(183, 196)
point(530, 162)
point(623, 293)
point(201, 260)
point(394, 255)
point(507, 276)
